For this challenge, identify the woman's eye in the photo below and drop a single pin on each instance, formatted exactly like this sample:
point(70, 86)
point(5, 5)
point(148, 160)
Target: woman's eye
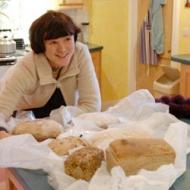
point(53, 42)
point(68, 38)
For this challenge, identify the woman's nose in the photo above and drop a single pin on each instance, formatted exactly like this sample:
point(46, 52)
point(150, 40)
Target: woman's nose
point(62, 47)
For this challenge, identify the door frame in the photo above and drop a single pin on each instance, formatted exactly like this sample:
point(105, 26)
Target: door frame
point(132, 39)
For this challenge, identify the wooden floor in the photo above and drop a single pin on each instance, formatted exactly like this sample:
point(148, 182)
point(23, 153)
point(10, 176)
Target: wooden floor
point(2, 186)
point(2, 178)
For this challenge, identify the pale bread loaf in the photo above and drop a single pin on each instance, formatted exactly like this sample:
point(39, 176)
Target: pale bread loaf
point(101, 119)
point(41, 129)
point(102, 139)
point(134, 154)
point(62, 146)
point(83, 163)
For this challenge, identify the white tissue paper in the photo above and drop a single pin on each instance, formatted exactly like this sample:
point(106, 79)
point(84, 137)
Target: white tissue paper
point(137, 106)
point(101, 119)
point(9, 124)
point(64, 114)
point(24, 151)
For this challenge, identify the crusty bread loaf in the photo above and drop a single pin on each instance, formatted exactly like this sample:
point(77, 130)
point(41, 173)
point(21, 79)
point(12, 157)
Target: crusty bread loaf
point(41, 129)
point(101, 119)
point(102, 139)
point(134, 154)
point(83, 163)
point(62, 146)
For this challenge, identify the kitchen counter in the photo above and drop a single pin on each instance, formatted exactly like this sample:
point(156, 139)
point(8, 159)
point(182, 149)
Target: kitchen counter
point(183, 58)
point(94, 47)
point(10, 60)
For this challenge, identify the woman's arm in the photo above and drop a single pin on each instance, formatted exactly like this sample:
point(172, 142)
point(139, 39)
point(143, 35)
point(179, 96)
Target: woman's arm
point(13, 86)
point(5, 126)
point(4, 134)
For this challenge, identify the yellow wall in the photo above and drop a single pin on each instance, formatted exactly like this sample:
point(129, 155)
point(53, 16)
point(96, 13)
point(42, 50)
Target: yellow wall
point(109, 27)
point(184, 28)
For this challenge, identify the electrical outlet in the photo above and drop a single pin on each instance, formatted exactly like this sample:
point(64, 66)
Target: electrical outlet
point(186, 32)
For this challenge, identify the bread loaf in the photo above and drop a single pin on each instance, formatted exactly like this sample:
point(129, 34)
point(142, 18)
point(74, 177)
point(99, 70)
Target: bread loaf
point(134, 154)
point(62, 146)
point(41, 129)
point(83, 163)
point(101, 119)
point(102, 139)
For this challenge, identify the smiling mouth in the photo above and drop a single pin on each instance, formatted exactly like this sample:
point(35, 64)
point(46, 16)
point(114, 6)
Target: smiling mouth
point(61, 56)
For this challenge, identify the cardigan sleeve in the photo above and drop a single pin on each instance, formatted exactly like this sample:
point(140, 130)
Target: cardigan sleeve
point(16, 82)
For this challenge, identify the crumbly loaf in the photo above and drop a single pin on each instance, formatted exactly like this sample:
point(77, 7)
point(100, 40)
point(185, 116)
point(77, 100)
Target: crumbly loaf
point(62, 146)
point(83, 163)
point(41, 129)
point(134, 154)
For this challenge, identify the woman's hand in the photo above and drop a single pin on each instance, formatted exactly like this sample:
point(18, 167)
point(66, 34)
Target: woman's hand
point(3, 134)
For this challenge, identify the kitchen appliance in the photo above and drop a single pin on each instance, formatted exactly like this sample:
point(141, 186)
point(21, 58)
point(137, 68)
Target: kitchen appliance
point(10, 58)
point(7, 44)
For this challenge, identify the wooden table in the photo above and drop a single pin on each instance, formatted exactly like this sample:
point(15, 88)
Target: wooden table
point(11, 180)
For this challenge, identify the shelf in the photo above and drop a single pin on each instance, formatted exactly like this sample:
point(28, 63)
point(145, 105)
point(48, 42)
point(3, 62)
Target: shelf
point(71, 6)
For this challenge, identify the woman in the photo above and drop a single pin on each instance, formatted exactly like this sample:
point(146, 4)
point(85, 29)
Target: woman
point(59, 71)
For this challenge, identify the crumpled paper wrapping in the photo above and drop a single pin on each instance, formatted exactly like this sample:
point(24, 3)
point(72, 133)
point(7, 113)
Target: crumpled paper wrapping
point(137, 106)
point(24, 152)
point(161, 179)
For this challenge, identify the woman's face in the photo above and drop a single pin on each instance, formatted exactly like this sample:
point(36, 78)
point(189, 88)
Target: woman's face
point(59, 51)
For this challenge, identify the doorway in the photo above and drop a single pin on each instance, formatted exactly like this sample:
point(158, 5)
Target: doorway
point(138, 77)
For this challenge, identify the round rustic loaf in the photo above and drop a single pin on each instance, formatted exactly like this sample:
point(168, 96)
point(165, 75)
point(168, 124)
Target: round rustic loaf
point(83, 163)
point(62, 146)
point(41, 129)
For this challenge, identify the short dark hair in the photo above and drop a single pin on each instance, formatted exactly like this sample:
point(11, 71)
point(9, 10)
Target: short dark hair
point(51, 25)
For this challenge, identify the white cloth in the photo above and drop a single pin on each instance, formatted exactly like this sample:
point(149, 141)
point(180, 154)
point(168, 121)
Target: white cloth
point(157, 25)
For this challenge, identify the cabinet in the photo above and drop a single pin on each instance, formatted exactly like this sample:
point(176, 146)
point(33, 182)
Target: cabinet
point(72, 1)
point(184, 59)
point(71, 4)
point(185, 80)
point(96, 54)
point(96, 58)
